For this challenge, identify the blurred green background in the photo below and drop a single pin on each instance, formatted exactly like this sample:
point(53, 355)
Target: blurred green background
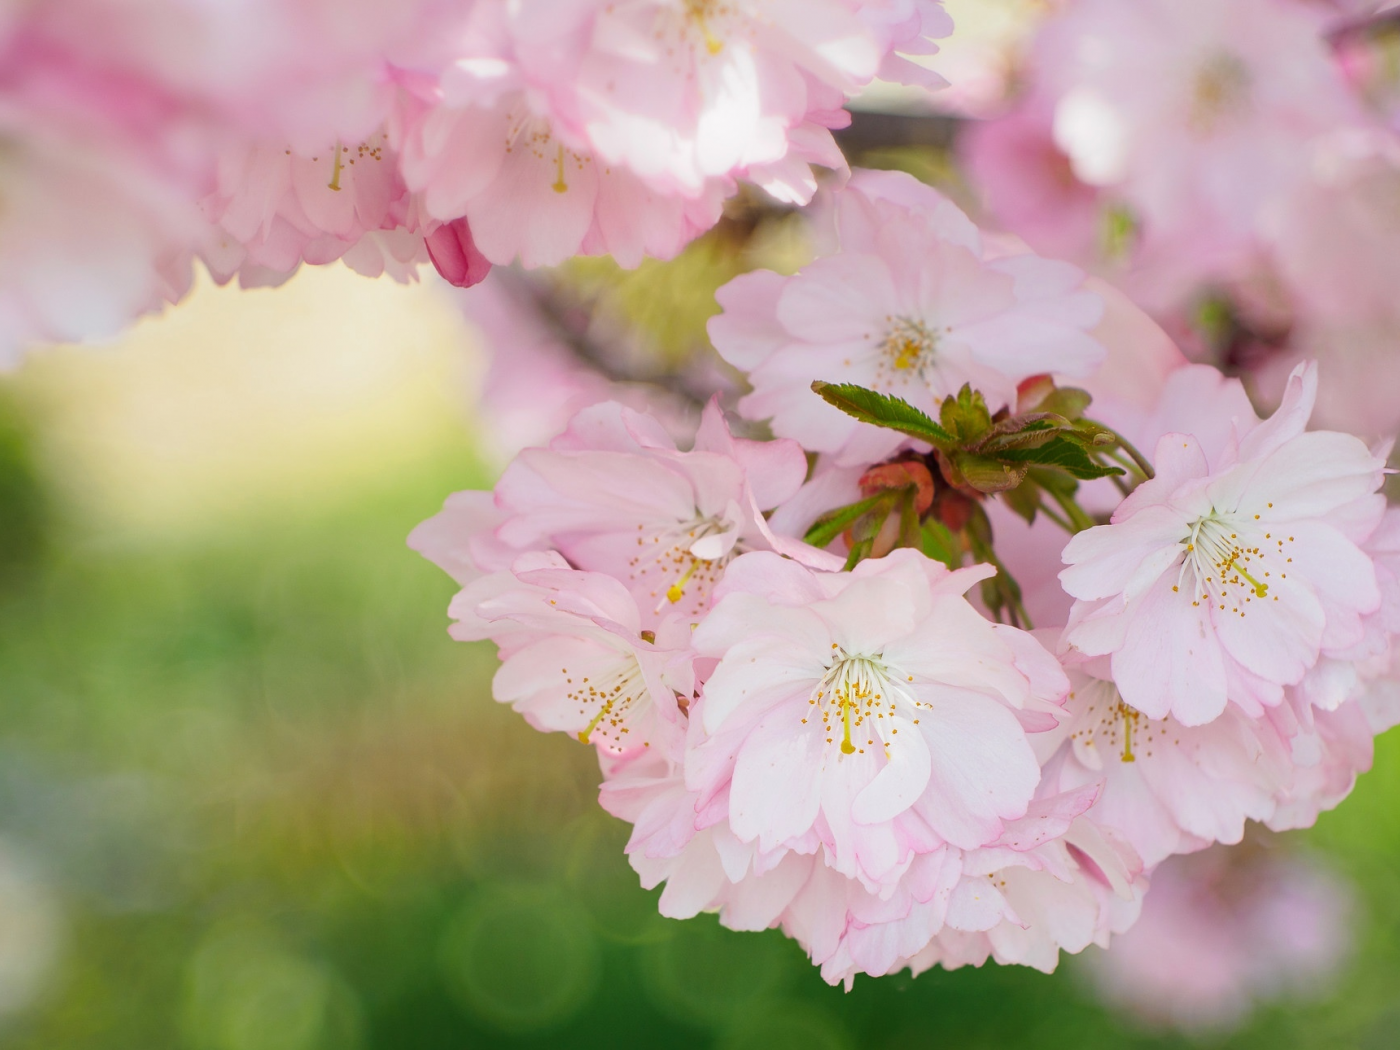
point(253, 798)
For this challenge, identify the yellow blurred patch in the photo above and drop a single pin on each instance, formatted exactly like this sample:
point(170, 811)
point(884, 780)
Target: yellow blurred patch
point(238, 403)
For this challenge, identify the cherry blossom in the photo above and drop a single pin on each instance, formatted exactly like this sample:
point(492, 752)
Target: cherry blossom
point(575, 657)
point(1167, 788)
point(1053, 881)
point(1226, 580)
point(1197, 112)
point(873, 714)
point(275, 209)
point(614, 495)
point(1025, 897)
point(913, 309)
point(461, 538)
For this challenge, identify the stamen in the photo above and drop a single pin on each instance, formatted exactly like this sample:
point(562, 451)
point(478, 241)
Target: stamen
point(560, 186)
point(908, 350)
point(586, 733)
point(676, 591)
point(334, 184)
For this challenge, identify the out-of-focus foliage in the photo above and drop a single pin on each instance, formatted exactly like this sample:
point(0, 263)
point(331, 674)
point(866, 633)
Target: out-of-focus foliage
point(24, 513)
point(253, 798)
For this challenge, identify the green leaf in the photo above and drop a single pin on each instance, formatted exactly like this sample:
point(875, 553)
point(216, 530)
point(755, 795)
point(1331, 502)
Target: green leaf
point(1064, 455)
point(939, 543)
point(1091, 435)
point(882, 410)
point(1067, 401)
point(986, 474)
point(966, 415)
point(1022, 432)
point(834, 522)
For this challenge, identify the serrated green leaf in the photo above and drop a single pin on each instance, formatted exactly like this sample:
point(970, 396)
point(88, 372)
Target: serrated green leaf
point(1064, 455)
point(882, 410)
point(1025, 432)
point(834, 522)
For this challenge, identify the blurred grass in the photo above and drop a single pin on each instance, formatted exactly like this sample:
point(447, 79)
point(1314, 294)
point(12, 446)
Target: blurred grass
point(278, 810)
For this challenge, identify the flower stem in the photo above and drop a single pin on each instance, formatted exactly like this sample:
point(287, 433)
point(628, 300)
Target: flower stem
point(1078, 519)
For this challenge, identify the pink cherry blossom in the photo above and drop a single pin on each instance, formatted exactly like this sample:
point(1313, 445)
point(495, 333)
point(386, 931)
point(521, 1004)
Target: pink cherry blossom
point(905, 28)
point(275, 209)
point(1064, 895)
point(872, 714)
point(1053, 881)
point(461, 538)
point(1222, 929)
point(613, 494)
point(1331, 748)
point(620, 128)
point(1226, 579)
point(912, 310)
point(680, 93)
point(575, 657)
point(303, 72)
point(455, 255)
point(1199, 113)
point(1342, 673)
point(688, 846)
point(1028, 183)
point(534, 192)
point(1167, 788)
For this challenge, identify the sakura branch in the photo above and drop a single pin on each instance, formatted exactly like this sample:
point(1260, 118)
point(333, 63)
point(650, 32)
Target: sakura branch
point(807, 671)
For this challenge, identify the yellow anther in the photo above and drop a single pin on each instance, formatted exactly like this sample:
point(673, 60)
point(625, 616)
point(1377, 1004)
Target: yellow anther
point(676, 591)
point(560, 186)
point(334, 184)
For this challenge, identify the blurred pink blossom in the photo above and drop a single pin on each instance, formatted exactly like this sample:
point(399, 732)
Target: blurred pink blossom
point(1224, 929)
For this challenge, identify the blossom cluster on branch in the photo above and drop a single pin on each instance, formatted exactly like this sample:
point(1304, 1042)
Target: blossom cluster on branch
point(1233, 166)
point(945, 668)
point(259, 135)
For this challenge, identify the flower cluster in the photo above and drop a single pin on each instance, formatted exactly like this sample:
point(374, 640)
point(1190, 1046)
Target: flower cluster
point(262, 134)
point(1232, 166)
point(808, 664)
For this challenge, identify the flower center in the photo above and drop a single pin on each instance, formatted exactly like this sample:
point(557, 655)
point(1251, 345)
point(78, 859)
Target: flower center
point(666, 561)
point(611, 702)
point(703, 13)
point(1221, 88)
point(858, 697)
point(526, 131)
point(907, 352)
point(1231, 562)
point(1110, 726)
